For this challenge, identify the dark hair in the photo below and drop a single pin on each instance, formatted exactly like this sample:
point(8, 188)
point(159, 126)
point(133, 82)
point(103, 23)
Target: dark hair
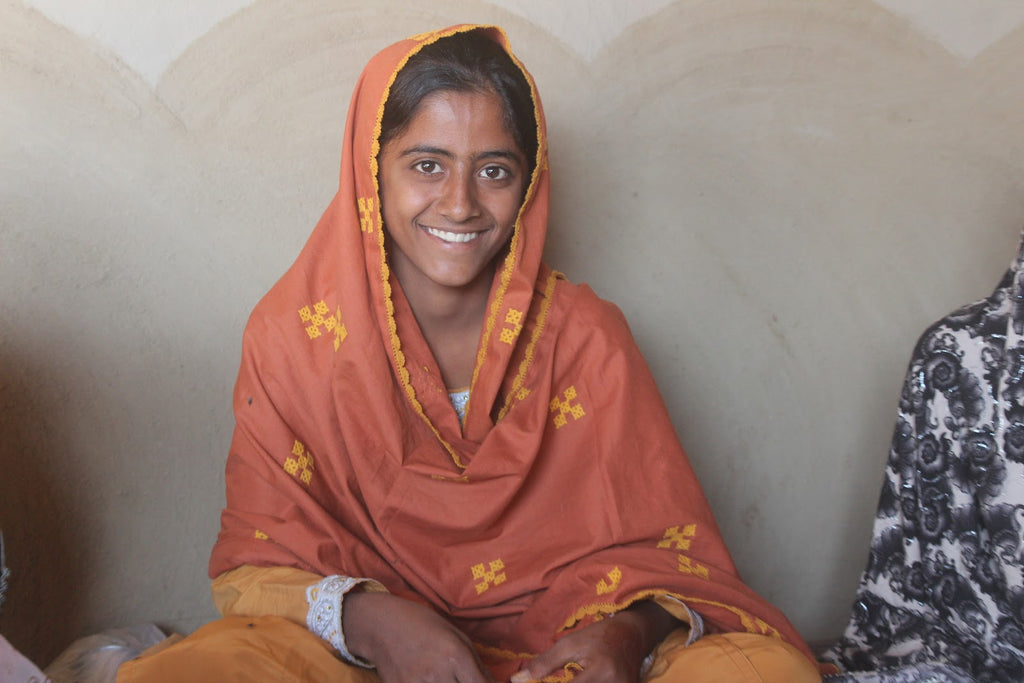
point(463, 62)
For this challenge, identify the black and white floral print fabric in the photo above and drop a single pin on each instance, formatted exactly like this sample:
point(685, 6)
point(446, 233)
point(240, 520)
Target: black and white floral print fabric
point(911, 673)
point(943, 581)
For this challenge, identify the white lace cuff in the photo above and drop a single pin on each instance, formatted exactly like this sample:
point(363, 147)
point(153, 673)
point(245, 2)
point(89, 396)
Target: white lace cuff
point(324, 616)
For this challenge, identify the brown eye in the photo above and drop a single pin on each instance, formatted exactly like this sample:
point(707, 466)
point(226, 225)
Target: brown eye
point(429, 167)
point(495, 173)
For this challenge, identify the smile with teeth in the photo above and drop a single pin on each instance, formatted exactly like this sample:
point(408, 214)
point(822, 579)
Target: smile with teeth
point(455, 237)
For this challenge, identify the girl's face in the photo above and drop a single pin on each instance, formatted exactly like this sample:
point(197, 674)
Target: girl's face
point(451, 185)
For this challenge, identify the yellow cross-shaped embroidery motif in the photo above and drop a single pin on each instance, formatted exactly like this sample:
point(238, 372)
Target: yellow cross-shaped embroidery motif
point(563, 407)
point(301, 466)
point(366, 214)
point(688, 566)
point(615, 578)
point(492, 574)
point(513, 326)
point(677, 538)
point(260, 536)
point(317, 317)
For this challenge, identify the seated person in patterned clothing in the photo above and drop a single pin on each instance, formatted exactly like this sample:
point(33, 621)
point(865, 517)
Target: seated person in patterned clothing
point(450, 463)
point(945, 575)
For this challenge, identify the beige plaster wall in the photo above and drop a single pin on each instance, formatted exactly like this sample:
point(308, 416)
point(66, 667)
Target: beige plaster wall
point(780, 194)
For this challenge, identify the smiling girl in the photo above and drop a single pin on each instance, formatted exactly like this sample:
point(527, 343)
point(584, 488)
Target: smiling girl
point(450, 463)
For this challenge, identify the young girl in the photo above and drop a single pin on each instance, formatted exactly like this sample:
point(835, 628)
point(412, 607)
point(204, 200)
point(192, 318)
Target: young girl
point(451, 464)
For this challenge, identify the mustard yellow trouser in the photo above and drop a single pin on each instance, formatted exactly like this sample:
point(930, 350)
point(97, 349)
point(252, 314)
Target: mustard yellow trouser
point(274, 649)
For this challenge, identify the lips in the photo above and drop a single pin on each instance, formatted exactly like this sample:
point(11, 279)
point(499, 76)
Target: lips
point(454, 237)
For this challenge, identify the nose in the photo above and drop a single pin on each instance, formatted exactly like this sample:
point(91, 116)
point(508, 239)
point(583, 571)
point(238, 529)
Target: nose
point(459, 202)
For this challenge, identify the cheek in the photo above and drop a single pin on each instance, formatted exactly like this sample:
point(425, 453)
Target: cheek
point(398, 203)
point(508, 209)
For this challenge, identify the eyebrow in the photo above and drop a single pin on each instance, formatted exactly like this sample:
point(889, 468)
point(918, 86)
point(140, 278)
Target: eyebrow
point(509, 154)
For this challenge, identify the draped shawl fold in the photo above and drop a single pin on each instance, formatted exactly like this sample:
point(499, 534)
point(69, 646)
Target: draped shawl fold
point(564, 497)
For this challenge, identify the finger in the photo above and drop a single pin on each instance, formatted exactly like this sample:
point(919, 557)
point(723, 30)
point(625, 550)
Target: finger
point(553, 659)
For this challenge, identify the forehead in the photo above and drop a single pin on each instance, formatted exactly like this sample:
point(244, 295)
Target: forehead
point(470, 120)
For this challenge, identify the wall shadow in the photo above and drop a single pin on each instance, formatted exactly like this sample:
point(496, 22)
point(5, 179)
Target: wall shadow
point(38, 511)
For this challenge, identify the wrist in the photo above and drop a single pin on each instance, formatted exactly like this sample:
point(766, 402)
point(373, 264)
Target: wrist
point(326, 614)
point(652, 622)
point(358, 623)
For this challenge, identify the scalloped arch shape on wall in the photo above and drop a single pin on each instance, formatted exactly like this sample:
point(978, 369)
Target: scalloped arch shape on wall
point(148, 35)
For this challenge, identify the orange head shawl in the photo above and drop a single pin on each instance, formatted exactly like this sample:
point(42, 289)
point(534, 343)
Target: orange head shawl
point(564, 497)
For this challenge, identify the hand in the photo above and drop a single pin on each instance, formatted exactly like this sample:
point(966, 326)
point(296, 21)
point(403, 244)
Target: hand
point(408, 641)
point(610, 650)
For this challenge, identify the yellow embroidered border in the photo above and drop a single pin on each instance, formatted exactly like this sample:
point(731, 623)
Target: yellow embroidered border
point(498, 653)
point(510, 259)
point(569, 672)
point(461, 479)
point(385, 271)
point(508, 267)
point(598, 610)
point(542, 318)
point(750, 622)
point(601, 609)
